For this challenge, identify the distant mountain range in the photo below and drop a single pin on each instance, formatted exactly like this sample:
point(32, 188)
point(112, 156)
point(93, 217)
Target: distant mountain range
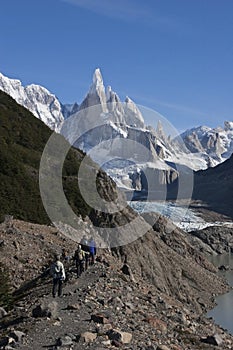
point(117, 137)
point(216, 145)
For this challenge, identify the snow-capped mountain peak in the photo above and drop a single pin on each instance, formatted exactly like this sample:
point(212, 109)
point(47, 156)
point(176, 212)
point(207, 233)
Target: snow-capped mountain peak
point(97, 78)
point(228, 126)
point(212, 145)
point(42, 103)
point(96, 95)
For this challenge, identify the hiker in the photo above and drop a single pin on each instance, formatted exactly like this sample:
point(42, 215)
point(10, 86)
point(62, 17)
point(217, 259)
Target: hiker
point(64, 256)
point(65, 259)
point(85, 247)
point(92, 250)
point(58, 273)
point(79, 257)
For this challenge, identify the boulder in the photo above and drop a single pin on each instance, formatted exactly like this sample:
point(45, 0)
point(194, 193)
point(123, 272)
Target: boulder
point(162, 347)
point(73, 307)
point(3, 312)
point(215, 339)
point(99, 318)
point(65, 341)
point(17, 335)
point(119, 336)
point(127, 271)
point(45, 310)
point(156, 323)
point(88, 337)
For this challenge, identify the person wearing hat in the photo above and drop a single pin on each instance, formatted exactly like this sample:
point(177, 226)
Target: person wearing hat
point(58, 273)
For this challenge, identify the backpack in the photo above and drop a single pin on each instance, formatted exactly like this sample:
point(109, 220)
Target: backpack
point(84, 244)
point(57, 271)
point(79, 255)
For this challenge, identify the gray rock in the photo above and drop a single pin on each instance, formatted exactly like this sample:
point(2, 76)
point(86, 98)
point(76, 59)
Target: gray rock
point(99, 318)
point(127, 271)
point(119, 336)
point(3, 312)
point(64, 341)
point(73, 307)
point(17, 335)
point(4, 341)
point(43, 310)
point(162, 347)
point(215, 339)
point(16, 245)
point(88, 337)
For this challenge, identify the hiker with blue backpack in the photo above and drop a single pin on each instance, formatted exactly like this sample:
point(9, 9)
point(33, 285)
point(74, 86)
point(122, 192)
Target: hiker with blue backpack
point(92, 250)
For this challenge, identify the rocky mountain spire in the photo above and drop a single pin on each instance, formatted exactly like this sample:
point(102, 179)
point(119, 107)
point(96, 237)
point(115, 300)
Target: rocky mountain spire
point(160, 131)
point(115, 106)
point(96, 95)
point(133, 115)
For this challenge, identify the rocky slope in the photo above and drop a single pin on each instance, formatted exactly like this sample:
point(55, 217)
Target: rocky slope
point(213, 240)
point(154, 300)
point(214, 187)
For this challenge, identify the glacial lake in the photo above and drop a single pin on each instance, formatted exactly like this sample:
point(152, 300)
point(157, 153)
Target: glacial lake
point(223, 312)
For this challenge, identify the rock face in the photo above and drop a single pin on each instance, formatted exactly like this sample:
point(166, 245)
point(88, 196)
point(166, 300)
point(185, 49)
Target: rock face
point(170, 271)
point(96, 95)
point(219, 239)
point(42, 103)
point(214, 187)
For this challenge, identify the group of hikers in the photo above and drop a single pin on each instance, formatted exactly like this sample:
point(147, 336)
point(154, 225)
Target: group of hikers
point(83, 256)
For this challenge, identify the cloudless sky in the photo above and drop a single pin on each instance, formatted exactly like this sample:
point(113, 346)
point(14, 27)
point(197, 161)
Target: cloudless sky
point(175, 56)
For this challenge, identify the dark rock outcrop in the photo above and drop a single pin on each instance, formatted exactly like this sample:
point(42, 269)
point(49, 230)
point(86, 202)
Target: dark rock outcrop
point(214, 187)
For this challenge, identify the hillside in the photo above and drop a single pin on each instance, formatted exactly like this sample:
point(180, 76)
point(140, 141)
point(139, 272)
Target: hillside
point(22, 141)
point(214, 187)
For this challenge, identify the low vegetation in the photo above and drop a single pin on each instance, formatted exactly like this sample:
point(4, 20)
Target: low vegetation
point(22, 141)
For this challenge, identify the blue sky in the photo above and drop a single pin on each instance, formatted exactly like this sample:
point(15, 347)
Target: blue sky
point(175, 56)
